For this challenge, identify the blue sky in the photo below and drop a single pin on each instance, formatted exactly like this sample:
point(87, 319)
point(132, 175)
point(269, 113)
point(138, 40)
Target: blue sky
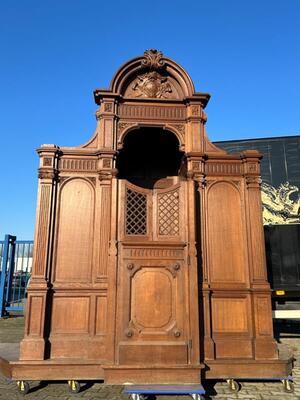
point(55, 53)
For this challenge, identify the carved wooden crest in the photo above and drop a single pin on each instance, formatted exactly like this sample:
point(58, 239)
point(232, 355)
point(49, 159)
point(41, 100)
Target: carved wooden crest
point(151, 84)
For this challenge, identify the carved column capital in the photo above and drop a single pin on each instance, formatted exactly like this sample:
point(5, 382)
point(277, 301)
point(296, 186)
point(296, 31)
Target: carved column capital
point(48, 174)
point(200, 181)
point(253, 182)
point(106, 175)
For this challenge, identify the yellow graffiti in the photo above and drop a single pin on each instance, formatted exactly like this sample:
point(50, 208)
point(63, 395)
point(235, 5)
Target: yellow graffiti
point(278, 207)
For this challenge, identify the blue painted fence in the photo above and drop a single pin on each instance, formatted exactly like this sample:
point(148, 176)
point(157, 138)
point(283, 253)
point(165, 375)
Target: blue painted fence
point(15, 271)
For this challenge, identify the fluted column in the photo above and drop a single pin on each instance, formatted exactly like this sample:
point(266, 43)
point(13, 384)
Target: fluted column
point(33, 344)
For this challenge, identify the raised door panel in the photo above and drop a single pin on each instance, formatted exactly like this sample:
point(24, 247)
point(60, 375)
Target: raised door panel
point(226, 234)
point(152, 318)
point(75, 232)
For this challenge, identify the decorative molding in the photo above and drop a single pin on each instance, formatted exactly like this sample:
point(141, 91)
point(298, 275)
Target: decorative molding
point(153, 85)
point(77, 164)
point(42, 232)
point(122, 126)
point(224, 168)
point(47, 162)
point(106, 163)
point(196, 166)
point(154, 253)
point(153, 112)
point(252, 167)
point(153, 59)
point(195, 110)
point(108, 107)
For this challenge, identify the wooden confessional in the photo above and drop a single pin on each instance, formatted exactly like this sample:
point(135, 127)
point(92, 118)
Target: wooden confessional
point(149, 261)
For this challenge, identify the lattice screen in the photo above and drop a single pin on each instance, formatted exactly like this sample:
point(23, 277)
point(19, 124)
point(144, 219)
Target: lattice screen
point(136, 213)
point(168, 213)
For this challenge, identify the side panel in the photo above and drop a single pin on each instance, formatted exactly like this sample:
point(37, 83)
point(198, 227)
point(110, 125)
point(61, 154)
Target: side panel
point(75, 232)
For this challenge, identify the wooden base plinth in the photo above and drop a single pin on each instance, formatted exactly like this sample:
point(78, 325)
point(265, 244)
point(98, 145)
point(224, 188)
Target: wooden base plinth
point(235, 368)
point(51, 370)
point(152, 374)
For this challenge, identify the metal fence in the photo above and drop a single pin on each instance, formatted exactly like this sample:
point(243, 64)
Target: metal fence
point(15, 271)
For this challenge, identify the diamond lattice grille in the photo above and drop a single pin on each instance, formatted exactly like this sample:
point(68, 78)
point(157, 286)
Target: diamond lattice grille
point(136, 213)
point(168, 213)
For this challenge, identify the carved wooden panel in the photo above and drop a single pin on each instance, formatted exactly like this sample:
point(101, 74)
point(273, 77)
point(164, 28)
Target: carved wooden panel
point(230, 315)
point(35, 324)
point(153, 253)
point(152, 112)
point(105, 220)
point(226, 234)
point(75, 232)
point(77, 164)
point(65, 315)
point(223, 168)
point(264, 326)
point(154, 287)
point(101, 315)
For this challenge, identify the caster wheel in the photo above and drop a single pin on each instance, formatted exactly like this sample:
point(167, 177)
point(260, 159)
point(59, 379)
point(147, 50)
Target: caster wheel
point(74, 386)
point(233, 385)
point(288, 386)
point(23, 387)
point(196, 396)
point(135, 396)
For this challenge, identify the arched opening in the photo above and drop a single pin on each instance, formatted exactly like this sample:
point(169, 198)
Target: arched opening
point(150, 158)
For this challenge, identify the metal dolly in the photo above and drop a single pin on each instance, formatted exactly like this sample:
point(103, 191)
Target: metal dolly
point(136, 392)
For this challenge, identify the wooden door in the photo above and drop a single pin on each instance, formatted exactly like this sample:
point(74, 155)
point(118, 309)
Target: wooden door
point(152, 317)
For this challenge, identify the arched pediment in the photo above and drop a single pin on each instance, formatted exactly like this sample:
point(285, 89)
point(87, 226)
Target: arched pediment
point(152, 76)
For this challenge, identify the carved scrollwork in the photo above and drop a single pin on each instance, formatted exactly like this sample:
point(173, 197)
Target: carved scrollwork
point(122, 126)
point(153, 59)
point(92, 179)
point(130, 266)
point(179, 127)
